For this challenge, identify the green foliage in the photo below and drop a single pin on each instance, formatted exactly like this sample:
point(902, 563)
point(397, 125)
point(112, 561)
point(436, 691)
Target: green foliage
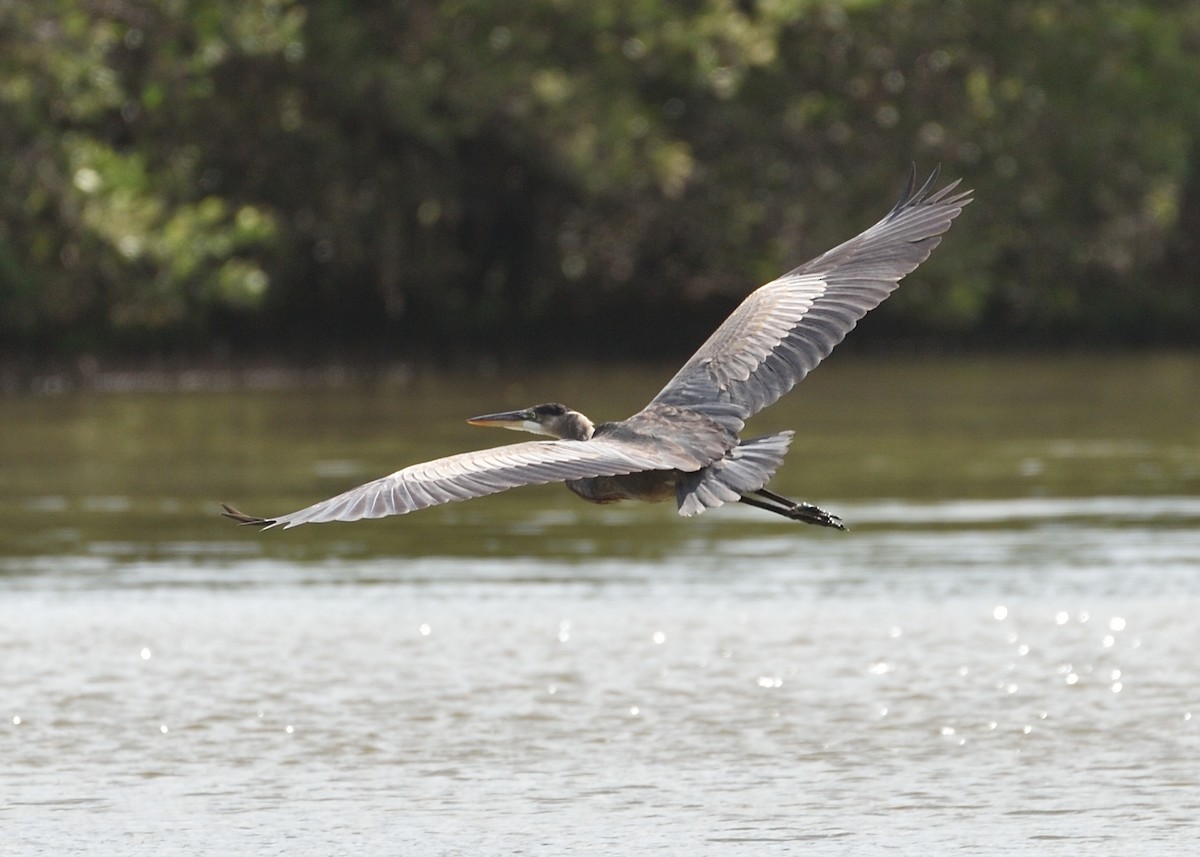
point(463, 172)
point(107, 228)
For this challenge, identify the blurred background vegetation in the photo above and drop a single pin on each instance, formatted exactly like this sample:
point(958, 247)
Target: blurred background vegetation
point(428, 179)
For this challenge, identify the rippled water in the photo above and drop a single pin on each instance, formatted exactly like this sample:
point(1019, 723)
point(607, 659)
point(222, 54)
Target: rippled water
point(1013, 673)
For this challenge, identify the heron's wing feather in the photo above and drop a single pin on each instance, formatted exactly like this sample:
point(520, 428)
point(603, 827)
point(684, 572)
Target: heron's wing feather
point(472, 474)
point(785, 328)
point(748, 467)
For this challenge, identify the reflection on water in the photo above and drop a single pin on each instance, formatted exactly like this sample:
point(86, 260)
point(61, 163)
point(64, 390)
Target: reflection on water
point(998, 658)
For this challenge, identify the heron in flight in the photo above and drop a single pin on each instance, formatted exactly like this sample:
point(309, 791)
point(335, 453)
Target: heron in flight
point(685, 445)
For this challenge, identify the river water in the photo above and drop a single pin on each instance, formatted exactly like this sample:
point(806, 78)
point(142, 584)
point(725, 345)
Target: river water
point(998, 658)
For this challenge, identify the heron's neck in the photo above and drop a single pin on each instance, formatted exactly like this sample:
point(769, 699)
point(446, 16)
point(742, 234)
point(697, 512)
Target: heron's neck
point(571, 425)
point(575, 426)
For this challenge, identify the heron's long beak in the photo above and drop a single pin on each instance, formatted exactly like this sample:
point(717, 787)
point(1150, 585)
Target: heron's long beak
point(515, 420)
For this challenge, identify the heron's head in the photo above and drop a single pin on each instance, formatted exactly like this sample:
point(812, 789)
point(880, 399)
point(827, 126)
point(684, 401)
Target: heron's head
point(553, 419)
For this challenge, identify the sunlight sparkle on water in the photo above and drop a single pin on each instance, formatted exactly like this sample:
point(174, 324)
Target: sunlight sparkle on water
point(1000, 613)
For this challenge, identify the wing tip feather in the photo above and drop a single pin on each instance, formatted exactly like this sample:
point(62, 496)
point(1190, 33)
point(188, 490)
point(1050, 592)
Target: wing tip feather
point(912, 197)
point(244, 519)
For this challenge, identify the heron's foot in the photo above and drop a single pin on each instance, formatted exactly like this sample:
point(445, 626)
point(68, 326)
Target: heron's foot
point(792, 509)
point(810, 514)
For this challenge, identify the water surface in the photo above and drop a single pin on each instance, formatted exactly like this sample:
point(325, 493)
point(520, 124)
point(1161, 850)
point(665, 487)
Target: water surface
point(998, 658)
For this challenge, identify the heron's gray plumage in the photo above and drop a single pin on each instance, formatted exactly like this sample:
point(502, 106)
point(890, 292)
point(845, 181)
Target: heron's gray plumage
point(477, 474)
point(784, 329)
point(685, 442)
point(747, 468)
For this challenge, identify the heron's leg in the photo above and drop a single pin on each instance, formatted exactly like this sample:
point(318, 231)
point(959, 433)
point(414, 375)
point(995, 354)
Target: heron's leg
point(791, 509)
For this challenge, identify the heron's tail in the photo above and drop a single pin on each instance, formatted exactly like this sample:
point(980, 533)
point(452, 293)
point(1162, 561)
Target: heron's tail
point(746, 468)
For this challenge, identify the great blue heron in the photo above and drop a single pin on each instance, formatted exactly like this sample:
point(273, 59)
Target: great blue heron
point(684, 445)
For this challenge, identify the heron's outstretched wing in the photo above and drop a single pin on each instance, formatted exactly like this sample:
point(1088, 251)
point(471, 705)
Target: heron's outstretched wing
point(785, 328)
point(474, 474)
